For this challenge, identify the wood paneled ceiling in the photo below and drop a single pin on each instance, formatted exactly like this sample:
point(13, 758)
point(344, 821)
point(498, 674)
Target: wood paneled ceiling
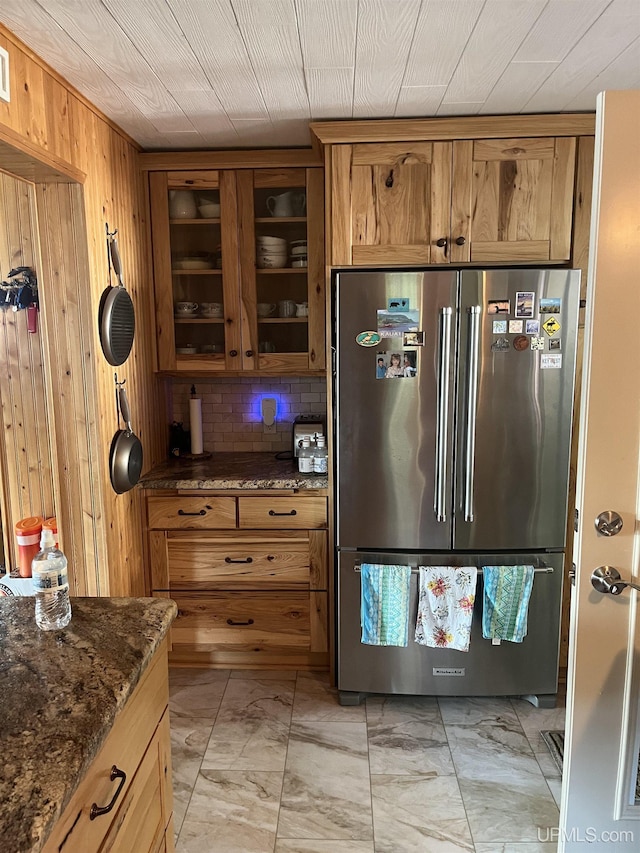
point(253, 73)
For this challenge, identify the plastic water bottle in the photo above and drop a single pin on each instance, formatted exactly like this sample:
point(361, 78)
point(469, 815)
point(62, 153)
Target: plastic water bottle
point(305, 457)
point(320, 456)
point(50, 585)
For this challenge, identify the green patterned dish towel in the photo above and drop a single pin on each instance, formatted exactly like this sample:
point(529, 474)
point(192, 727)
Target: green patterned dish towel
point(384, 604)
point(507, 590)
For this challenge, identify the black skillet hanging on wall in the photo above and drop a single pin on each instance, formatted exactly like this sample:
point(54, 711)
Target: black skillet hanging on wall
point(116, 317)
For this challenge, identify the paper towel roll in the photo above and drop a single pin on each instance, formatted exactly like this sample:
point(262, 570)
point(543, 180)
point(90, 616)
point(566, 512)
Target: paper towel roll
point(195, 423)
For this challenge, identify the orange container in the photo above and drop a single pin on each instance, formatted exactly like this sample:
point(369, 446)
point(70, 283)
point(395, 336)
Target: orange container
point(28, 532)
point(51, 524)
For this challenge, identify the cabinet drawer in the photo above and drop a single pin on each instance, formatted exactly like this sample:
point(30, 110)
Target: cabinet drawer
point(191, 512)
point(236, 621)
point(199, 564)
point(264, 513)
point(124, 747)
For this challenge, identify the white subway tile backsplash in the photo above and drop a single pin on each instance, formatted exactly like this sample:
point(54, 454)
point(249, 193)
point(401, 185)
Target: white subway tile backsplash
point(231, 418)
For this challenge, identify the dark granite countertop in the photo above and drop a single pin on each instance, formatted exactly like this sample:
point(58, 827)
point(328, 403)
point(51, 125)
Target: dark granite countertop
point(61, 691)
point(232, 471)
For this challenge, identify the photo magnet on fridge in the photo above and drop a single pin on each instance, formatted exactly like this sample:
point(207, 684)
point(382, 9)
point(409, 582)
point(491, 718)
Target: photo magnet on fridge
point(499, 327)
point(515, 327)
point(550, 362)
point(525, 303)
point(521, 343)
point(555, 343)
point(500, 345)
point(537, 343)
point(393, 324)
point(498, 306)
point(532, 327)
point(550, 306)
point(397, 365)
point(414, 339)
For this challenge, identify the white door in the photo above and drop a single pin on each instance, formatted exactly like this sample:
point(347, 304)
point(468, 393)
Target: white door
point(600, 810)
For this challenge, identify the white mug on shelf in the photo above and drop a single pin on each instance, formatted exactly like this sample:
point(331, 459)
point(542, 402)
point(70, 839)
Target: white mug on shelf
point(211, 309)
point(265, 308)
point(302, 309)
point(287, 204)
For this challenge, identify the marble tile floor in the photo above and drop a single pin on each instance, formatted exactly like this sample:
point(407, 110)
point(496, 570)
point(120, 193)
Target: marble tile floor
point(269, 762)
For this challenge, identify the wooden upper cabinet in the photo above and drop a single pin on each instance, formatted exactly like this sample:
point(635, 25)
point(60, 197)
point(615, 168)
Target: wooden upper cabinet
point(460, 201)
point(512, 199)
point(241, 312)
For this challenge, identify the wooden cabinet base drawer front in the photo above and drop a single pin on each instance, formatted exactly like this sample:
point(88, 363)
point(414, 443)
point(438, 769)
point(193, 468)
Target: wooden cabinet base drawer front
point(199, 564)
point(191, 513)
point(282, 513)
point(242, 621)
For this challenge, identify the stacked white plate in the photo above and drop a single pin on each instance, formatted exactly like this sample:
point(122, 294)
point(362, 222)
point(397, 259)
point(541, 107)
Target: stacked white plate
point(271, 252)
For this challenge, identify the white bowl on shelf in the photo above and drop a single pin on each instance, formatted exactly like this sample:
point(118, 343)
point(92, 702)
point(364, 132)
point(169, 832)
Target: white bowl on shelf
point(190, 350)
point(209, 210)
point(267, 262)
point(193, 264)
point(299, 250)
point(271, 243)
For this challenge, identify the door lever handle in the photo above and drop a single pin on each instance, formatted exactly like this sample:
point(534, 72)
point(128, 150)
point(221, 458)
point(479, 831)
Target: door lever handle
point(606, 579)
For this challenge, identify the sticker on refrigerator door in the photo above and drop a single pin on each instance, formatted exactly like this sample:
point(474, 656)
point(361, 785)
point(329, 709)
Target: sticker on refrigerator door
point(550, 362)
point(499, 327)
point(550, 305)
point(525, 303)
point(414, 339)
point(532, 327)
point(521, 343)
point(368, 339)
point(515, 327)
point(500, 345)
point(537, 343)
point(555, 344)
point(398, 303)
point(498, 306)
point(551, 326)
point(393, 324)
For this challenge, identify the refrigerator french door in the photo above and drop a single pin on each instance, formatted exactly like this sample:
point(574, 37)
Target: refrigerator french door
point(467, 452)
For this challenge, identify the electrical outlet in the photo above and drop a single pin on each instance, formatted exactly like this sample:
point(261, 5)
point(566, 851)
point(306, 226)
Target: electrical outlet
point(268, 407)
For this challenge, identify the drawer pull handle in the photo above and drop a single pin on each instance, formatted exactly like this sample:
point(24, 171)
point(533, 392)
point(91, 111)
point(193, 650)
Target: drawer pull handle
point(246, 560)
point(237, 622)
point(291, 512)
point(97, 810)
point(182, 512)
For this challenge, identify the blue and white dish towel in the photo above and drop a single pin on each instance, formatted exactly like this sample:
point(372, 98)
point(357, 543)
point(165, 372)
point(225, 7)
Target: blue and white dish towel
point(507, 590)
point(384, 604)
point(445, 606)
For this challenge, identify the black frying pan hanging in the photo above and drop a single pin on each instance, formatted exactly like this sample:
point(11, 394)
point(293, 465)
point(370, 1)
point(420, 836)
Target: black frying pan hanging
point(125, 458)
point(116, 317)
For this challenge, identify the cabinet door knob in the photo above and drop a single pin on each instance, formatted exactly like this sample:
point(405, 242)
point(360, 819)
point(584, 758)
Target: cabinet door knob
point(443, 243)
point(233, 353)
point(460, 241)
point(249, 353)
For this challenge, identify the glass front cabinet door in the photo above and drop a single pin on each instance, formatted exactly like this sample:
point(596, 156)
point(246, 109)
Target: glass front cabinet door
point(239, 270)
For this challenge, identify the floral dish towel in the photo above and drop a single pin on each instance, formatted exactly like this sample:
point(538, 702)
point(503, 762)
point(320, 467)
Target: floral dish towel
point(445, 606)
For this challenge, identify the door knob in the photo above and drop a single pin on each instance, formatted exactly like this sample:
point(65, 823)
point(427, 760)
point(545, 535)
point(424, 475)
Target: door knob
point(443, 243)
point(606, 579)
point(609, 523)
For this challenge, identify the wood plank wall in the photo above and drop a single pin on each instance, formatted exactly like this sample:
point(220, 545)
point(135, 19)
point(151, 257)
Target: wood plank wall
point(86, 173)
point(25, 454)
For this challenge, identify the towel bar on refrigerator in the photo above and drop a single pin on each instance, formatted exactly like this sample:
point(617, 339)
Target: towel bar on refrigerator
point(547, 570)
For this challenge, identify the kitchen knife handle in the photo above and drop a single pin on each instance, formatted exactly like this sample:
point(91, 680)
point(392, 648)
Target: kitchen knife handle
point(472, 407)
point(442, 413)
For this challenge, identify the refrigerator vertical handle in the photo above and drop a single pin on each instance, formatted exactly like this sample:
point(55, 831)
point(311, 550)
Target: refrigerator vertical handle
point(442, 413)
point(472, 405)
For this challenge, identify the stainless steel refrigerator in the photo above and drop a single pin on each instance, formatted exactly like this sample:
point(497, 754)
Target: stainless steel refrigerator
point(454, 397)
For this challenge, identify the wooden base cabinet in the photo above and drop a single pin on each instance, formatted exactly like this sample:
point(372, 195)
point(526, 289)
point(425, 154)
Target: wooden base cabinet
point(133, 771)
point(252, 597)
